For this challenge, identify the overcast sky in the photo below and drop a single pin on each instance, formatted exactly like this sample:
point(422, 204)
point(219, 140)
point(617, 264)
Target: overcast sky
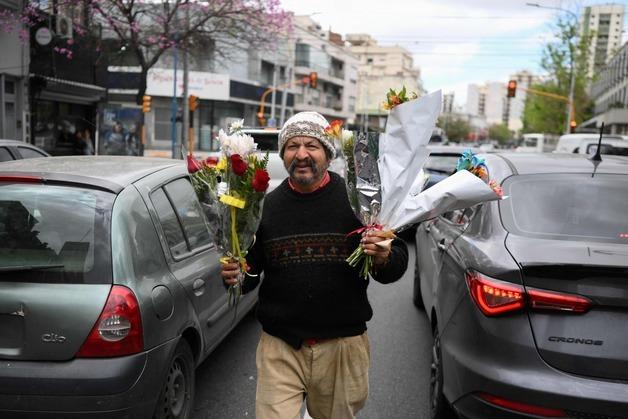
point(454, 42)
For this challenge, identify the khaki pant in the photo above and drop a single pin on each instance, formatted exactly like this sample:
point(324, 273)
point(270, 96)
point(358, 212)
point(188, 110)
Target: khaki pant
point(332, 374)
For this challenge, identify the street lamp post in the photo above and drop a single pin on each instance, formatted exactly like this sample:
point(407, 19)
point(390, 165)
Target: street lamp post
point(572, 82)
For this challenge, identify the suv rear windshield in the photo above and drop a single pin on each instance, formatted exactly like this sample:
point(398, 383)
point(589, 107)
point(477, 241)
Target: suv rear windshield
point(567, 207)
point(54, 234)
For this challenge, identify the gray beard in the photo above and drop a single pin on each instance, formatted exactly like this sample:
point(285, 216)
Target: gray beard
point(305, 182)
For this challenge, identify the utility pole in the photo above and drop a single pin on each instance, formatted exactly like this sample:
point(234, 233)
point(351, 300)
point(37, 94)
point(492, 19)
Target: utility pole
point(186, 75)
point(173, 107)
point(572, 59)
point(290, 80)
point(272, 121)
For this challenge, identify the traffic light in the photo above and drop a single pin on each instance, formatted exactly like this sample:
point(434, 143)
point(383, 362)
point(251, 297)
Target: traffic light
point(572, 126)
point(146, 103)
point(313, 79)
point(192, 102)
point(512, 88)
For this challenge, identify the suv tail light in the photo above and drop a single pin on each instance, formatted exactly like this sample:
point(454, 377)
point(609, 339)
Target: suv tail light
point(522, 407)
point(494, 297)
point(118, 330)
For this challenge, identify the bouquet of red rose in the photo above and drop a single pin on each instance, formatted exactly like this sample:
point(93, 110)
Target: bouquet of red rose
point(232, 192)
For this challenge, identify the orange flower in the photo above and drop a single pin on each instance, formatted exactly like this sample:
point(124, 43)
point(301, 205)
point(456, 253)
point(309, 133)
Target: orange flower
point(334, 129)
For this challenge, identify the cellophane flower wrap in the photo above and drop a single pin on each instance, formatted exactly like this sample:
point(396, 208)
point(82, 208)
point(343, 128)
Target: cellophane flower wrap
point(232, 192)
point(383, 173)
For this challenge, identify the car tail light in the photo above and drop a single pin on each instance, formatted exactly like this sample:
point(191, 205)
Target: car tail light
point(494, 297)
point(118, 330)
point(522, 407)
point(551, 300)
point(21, 179)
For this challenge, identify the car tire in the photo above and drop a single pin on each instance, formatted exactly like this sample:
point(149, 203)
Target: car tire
point(439, 407)
point(417, 299)
point(176, 399)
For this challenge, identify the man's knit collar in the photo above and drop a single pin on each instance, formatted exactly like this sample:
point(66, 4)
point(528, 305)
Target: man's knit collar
point(324, 181)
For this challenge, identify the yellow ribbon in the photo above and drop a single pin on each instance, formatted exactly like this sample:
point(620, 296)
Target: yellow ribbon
point(232, 201)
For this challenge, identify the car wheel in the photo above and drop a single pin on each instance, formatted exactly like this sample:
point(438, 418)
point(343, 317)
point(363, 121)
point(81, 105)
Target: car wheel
point(439, 406)
point(416, 289)
point(177, 395)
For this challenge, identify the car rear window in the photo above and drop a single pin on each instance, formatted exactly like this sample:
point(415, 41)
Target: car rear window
point(445, 164)
point(266, 141)
point(54, 234)
point(567, 206)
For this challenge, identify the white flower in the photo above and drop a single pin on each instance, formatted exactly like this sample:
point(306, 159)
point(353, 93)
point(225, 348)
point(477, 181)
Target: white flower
point(236, 126)
point(346, 135)
point(241, 144)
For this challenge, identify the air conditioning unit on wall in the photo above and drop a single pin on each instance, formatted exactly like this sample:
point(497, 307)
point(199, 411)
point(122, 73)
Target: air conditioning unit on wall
point(64, 26)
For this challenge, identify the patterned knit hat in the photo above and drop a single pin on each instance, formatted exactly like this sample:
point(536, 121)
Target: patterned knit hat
point(306, 124)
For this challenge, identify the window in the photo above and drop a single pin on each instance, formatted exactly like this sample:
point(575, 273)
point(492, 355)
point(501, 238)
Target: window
point(30, 153)
point(5, 155)
point(190, 212)
point(9, 87)
point(169, 223)
point(185, 229)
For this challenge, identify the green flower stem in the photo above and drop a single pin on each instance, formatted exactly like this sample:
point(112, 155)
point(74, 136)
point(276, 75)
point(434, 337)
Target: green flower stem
point(358, 257)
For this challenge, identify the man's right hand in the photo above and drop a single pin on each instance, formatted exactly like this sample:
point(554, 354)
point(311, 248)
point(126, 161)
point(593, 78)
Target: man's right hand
point(230, 272)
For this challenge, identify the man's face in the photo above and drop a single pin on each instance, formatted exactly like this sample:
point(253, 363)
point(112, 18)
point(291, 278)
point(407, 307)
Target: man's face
point(305, 159)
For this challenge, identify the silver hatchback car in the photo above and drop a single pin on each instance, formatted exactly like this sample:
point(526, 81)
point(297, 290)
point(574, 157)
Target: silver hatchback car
point(110, 288)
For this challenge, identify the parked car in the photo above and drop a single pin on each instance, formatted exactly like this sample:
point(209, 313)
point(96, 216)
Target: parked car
point(442, 162)
point(587, 143)
point(267, 141)
point(527, 296)
point(16, 150)
point(110, 288)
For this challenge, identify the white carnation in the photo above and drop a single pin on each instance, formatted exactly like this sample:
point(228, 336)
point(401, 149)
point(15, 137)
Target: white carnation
point(346, 135)
point(241, 144)
point(236, 126)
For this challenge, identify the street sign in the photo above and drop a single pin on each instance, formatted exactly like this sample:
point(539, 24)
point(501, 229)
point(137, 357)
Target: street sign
point(43, 36)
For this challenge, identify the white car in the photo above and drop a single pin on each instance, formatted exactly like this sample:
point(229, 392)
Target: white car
point(587, 144)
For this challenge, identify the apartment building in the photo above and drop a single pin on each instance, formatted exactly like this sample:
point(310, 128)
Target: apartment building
point(381, 68)
point(605, 22)
point(323, 52)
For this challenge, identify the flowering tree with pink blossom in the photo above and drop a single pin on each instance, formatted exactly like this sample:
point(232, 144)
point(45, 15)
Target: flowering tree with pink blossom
point(148, 28)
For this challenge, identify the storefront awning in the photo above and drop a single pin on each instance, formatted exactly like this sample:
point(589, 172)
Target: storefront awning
point(68, 91)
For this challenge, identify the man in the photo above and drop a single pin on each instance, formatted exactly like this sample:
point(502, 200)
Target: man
point(313, 306)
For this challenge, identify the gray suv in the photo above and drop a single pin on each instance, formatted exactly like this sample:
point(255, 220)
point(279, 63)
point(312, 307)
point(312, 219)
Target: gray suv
point(110, 288)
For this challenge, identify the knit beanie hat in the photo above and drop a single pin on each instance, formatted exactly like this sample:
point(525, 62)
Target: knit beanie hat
point(306, 124)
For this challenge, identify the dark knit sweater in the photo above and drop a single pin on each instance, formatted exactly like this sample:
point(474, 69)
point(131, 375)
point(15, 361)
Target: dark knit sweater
point(308, 289)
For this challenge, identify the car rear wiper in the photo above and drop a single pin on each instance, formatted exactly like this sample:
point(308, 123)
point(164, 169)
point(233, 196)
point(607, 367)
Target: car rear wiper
point(18, 268)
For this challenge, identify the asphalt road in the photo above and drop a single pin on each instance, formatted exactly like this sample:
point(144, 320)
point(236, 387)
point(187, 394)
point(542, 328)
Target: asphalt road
point(400, 361)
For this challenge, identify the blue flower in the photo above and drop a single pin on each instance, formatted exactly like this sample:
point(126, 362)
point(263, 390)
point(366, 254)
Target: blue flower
point(465, 161)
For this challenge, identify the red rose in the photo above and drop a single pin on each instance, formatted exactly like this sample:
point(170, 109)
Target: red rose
point(211, 161)
point(238, 165)
point(193, 164)
point(260, 180)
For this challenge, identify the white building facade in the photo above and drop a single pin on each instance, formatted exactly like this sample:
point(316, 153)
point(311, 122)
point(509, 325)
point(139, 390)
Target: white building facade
point(381, 68)
point(14, 53)
point(605, 22)
point(324, 53)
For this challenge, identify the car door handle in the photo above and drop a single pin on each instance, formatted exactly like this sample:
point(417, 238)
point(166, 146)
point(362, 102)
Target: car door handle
point(442, 244)
point(198, 287)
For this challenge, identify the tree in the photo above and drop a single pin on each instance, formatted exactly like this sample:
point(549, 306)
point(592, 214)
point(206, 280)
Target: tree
point(147, 29)
point(566, 52)
point(455, 127)
point(499, 132)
